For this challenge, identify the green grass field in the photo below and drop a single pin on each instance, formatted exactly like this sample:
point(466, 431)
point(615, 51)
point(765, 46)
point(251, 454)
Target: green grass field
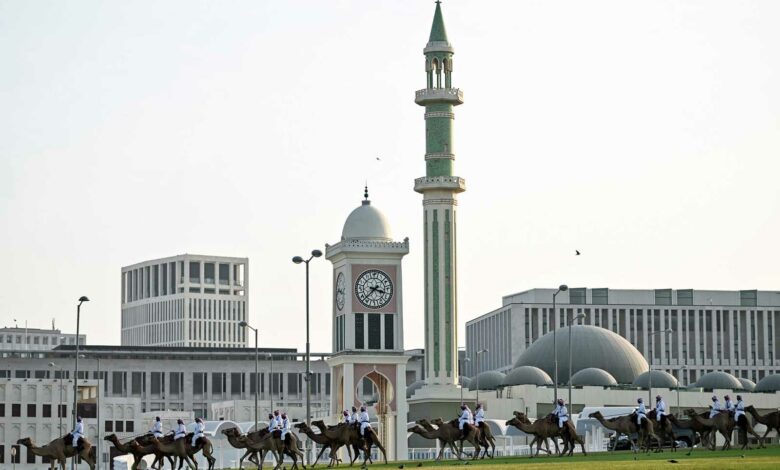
point(768, 458)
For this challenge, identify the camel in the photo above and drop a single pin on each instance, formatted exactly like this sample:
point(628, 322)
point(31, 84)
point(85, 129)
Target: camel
point(472, 434)
point(177, 449)
point(325, 442)
point(770, 420)
point(351, 435)
point(746, 428)
point(203, 444)
point(435, 434)
point(271, 441)
point(61, 449)
point(138, 452)
point(627, 425)
point(721, 422)
point(540, 436)
point(703, 431)
point(665, 428)
point(487, 439)
point(568, 433)
point(234, 436)
point(452, 432)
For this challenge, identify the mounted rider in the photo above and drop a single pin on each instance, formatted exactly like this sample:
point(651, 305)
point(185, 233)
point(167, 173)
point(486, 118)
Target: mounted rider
point(199, 429)
point(660, 409)
point(271, 422)
point(641, 411)
point(365, 422)
point(715, 408)
point(156, 430)
point(464, 419)
point(181, 430)
point(285, 429)
point(739, 410)
point(728, 405)
point(277, 420)
point(355, 418)
point(561, 412)
point(479, 416)
point(77, 434)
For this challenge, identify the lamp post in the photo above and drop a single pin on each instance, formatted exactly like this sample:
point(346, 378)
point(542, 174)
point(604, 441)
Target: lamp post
point(477, 376)
point(82, 299)
point(299, 260)
point(99, 427)
point(650, 371)
point(257, 377)
point(59, 407)
point(561, 288)
point(577, 317)
point(465, 359)
point(678, 391)
point(271, 381)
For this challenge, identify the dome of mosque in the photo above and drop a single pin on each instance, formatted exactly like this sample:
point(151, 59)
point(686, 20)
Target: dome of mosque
point(718, 379)
point(593, 376)
point(770, 383)
point(366, 223)
point(488, 380)
point(527, 375)
point(661, 379)
point(747, 385)
point(591, 347)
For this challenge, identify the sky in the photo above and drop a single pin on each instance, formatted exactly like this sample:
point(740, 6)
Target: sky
point(645, 134)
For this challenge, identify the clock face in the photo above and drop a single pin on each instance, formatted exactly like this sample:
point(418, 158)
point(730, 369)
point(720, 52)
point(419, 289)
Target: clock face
point(374, 289)
point(341, 291)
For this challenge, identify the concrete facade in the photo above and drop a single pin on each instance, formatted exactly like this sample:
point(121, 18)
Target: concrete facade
point(27, 339)
point(186, 300)
point(731, 331)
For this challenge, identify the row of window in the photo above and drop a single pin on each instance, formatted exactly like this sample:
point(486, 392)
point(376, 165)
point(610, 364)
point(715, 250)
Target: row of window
point(32, 410)
point(161, 279)
point(578, 296)
point(37, 339)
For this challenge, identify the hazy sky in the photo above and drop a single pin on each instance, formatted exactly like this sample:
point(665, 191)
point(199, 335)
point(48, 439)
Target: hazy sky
point(646, 134)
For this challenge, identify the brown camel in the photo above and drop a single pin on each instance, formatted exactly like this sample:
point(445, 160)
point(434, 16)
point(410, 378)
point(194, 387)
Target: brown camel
point(695, 426)
point(746, 428)
point(487, 439)
point(621, 425)
point(176, 449)
point(721, 422)
point(770, 420)
point(540, 435)
point(323, 441)
point(472, 434)
point(138, 452)
point(61, 449)
point(203, 444)
point(235, 439)
point(435, 434)
point(271, 441)
point(350, 434)
point(568, 433)
point(664, 428)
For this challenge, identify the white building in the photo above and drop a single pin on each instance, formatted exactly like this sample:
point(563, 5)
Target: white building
point(26, 339)
point(731, 331)
point(186, 300)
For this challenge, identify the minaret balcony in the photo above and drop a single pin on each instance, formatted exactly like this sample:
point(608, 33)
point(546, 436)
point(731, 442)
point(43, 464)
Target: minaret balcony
point(428, 96)
point(455, 184)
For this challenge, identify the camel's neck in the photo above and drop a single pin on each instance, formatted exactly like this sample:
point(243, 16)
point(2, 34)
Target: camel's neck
point(427, 426)
point(236, 441)
point(426, 433)
point(526, 428)
point(756, 416)
point(704, 421)
point(42, 451)
point(607, 424)
point(119, 446)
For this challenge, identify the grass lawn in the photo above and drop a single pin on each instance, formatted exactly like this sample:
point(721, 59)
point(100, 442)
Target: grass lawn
point(768, 458)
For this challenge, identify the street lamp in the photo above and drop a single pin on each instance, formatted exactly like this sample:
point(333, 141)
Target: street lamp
point(299, 260)
point(561, 288)
point(465, 359)
point(59, 407)
point(82, 299)
point(650, 371)
point(97, 409)
point(477, 376)
point(244, 324)
point(577, 317)
point(678, 391)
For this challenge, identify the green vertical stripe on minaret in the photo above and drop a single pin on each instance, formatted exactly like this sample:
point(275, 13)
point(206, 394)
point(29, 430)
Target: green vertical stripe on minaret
point(438, 139)
point(435, 286)
point(427, 294)
point(448, 290)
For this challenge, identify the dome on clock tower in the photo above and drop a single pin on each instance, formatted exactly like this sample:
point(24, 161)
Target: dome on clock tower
point(366, 223)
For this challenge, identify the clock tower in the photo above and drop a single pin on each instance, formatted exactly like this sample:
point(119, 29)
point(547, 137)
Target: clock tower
point(368, 365)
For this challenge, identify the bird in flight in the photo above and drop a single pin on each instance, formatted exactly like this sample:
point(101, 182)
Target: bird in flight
point(577, 252)
point(378, 159)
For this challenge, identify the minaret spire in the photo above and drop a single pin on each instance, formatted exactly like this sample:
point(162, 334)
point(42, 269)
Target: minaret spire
point(439, 188)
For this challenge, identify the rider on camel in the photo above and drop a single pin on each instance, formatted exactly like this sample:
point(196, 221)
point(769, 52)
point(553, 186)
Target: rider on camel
point(660, 409)
point(463, 420)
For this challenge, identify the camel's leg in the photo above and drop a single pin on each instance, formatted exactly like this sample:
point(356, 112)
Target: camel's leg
point(318, 456)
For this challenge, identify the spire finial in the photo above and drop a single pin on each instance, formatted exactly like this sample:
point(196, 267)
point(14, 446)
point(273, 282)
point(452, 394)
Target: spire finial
point(365, 192)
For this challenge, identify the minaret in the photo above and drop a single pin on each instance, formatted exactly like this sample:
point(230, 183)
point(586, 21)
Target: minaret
point(439, 188)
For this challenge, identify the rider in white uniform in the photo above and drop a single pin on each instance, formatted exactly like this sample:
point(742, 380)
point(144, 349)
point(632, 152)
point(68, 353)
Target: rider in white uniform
point(78, 432)
point(347, 417)
point(285, 426)
point(271, 422)
point(364, 421)
point(181, 431)
point(355, 418)
point(465, 417)
point(199, 428)
point(157, 428)
point(728, 405)
point(479, 416)
point(715, 408)
point(641, 411)
point(739, 409)
point(660, 408)
point(561, 412)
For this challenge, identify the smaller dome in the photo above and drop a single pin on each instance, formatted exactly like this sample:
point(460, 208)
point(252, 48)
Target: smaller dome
point(718, 379)
point(661, 379)
point(488, 380)
point(527, 375)
point(747, 385)
point(464, 381)
point(770, 383)
point(366, 223)
point(414, 387)
point(593, 376)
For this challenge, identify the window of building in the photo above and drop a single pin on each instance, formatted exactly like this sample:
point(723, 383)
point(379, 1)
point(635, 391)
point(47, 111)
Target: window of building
point(748, 298)
point(158, 384)
point(137, 383)
point(359, 334)
point(195, 272)
point(109, 426)
point(31, 410)
point(600, 296)
point(130, 426)
point(119, 426)
point(30, 456)
point(685, 297)
point(2, 410)
point(218, 383)
point(389, 330)
point(199, 383)
point(36, 340)
point(577, 295)
point(224, 274)
point(118, 383)
point(176, 383)
point(293, 383)
point(46, 411)
point(663, 296)
point(18, 451)
point(155, 280)
point(41, 374)
point(327, 383)
point(208, 273)
point(16, 410)
point(276, 383)
point(374, 331)
point(2, 453)
point(62, 411)
point(236, 384)
point(22, 374)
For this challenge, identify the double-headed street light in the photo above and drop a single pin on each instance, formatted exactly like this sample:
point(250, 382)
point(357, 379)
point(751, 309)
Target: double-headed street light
point(477, 376)
point(561, 288)
point(299, 260)
point(652, 353)
point(244, 324)
point(82, 299)
point(577, 317)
